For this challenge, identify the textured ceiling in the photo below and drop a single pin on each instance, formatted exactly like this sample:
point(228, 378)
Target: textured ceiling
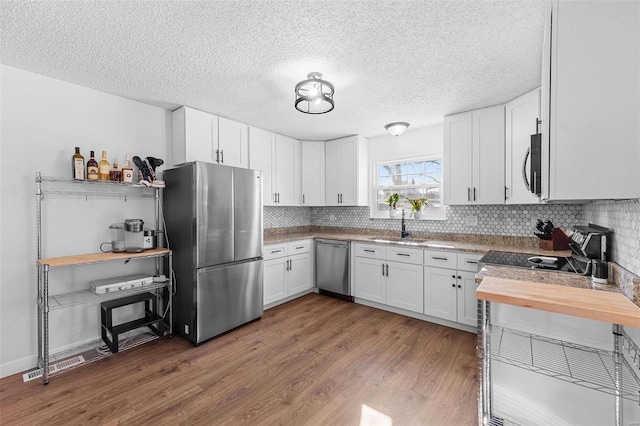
point(390, 61)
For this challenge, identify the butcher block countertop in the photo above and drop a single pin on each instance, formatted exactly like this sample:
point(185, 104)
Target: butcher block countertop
point(608, 306)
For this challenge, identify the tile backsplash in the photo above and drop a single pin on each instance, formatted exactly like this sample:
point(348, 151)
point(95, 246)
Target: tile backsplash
point(286, 217)
point(513, 220)
point(623, 217)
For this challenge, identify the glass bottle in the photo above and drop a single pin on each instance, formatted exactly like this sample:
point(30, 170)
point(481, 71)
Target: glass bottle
point(77, 165)
point(116, 174)
point(127, 171)
point(104, 168)
point(92, 167)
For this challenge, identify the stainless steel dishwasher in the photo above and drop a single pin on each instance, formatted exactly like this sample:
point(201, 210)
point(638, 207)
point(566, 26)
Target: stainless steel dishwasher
point(332, 268)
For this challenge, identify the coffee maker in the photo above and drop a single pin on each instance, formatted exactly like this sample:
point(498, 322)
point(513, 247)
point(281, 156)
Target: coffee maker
point(589, 245)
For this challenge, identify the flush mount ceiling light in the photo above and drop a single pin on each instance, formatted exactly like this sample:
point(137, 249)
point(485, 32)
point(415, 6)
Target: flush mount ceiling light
point(314, 95)
point(398, 128)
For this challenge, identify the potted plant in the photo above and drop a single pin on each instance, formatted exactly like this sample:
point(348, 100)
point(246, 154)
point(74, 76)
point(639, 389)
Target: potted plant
point(393, 201)
point(417, 206)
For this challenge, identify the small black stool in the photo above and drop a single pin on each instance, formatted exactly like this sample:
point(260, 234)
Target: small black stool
point(150, 318)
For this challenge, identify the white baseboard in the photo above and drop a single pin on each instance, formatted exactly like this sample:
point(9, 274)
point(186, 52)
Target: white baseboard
point(416, 315)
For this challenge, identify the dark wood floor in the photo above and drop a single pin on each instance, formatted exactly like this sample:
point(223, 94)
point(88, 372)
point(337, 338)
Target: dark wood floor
point(312, 361)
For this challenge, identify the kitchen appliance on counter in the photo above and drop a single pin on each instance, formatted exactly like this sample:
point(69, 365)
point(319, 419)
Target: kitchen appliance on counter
point(589, 255)
point(213, 217)
point(134, 235)
point(332, 268)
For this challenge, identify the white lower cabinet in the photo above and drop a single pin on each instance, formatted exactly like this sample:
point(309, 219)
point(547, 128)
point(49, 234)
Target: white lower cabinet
point(275, 274)
point(440, 293)
point(371, 282)
point(404, 286)
point(436, 283)
point(288, 270)
point(450, 292)
point(383, 280)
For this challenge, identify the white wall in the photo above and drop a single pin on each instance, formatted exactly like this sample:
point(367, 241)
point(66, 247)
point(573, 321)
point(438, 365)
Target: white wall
point(414, 142)
point(42, 120)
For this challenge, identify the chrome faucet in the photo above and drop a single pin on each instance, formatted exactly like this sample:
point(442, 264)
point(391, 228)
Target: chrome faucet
point(404, 232)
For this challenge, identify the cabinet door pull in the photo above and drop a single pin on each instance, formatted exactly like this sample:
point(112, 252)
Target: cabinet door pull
point(383, 269)
point(403, 254)
point(302, 198)
point(222, 156)
point(474, 193)
point(473, 262)
point(505, 193)
point(338, 198)
point(299, 247)
point(439, 258)
point(276, 251)
point(290, 265)
point(453, 276)
point(459, 277)
point(217, 155)
point(468, 194)
point(369, 251)
point(387, 269)
point(453, 285)
point(459, 286)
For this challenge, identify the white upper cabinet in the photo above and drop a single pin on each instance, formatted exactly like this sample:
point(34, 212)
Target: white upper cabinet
point(346, 174)
point(195, 135)
point(286, 171)
point(279, 158)
point(591, 101)
point(313, 173)
point(474, 157)
point(200, 136)
point(261, 144)
point(233, 143)
point(521, 115)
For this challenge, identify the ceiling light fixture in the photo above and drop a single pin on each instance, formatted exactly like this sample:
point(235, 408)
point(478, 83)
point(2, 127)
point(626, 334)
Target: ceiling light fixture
point(314, 95)
point(397, 128)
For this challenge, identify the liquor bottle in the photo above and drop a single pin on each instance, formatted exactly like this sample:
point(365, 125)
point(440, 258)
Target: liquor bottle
point(77, 165)
point(127, 171)
point(92, 168)
point(104, 168)
point(116, 174)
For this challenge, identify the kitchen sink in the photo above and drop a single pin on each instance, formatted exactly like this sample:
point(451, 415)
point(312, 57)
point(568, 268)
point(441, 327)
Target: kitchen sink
point(412, 242)
point(397, 240)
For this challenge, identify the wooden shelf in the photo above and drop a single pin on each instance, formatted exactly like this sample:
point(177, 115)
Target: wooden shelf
point(610, 307)
point(85, 259)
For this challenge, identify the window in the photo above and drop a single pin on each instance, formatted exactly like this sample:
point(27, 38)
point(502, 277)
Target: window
point(413, 178)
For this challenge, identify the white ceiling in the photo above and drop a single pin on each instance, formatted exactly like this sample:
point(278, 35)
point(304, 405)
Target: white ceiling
point(390, 61)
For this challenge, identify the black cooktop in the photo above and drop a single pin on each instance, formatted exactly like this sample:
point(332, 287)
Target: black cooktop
point(521, 260)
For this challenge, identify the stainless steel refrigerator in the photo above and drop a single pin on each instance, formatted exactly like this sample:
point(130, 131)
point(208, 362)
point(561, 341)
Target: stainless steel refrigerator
point(213, 217)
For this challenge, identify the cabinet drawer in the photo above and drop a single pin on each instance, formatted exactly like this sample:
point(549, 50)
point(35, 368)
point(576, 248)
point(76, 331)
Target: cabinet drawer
point(468, 261)
point(371, 250)
point(406, 255)
point(300, 246)
point(273, 251)
point(440, 259)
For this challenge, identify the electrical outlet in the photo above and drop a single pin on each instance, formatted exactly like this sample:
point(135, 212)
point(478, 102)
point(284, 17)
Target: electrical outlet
point(471, 220)
point(186, 329)
point(332, 217)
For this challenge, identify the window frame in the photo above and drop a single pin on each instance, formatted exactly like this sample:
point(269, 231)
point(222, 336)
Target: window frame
point(374, 214)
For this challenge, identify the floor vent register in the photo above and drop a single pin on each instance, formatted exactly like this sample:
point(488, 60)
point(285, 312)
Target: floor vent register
point(54, 368)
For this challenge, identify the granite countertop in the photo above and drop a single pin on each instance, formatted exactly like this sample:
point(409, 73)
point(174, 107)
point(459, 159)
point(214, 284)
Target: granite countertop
point(448, 242)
